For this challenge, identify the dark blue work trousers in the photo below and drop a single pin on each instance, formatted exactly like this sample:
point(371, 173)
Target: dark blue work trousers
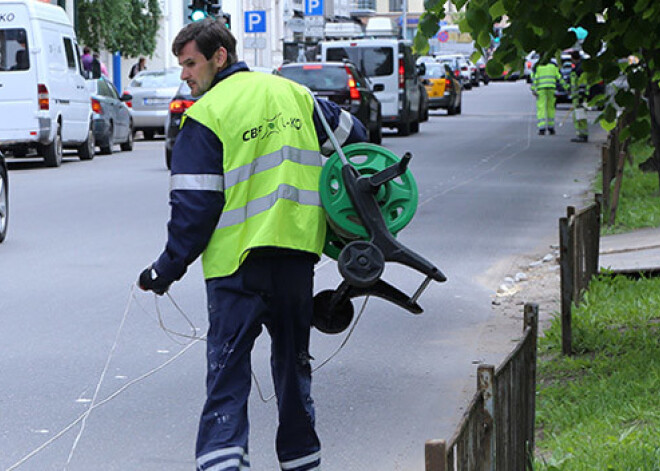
point(271, 288)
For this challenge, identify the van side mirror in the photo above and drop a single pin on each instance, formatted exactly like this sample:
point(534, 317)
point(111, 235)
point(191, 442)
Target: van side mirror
point(421, 68)
point(126, 97)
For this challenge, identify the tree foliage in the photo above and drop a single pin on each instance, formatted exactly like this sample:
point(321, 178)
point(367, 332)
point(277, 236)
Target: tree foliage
point(623, 41)
point(127, 26)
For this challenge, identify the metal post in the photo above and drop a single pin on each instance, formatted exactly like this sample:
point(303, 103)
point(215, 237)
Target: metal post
point(404, 19)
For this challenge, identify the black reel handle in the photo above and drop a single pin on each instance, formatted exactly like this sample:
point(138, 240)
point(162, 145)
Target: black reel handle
point(361, 263)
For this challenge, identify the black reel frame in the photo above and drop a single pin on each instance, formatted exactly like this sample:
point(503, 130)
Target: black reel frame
point(361, 262)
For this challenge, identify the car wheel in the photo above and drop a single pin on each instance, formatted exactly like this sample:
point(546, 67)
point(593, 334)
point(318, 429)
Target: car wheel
point(168, 159)
point(414, 126)
point(451, 111)
point(4, 204)
point(52, 153)
point(148, 134)
point(107, 149)
point(404, 126)
point(86, 149)
point(459, 108)
point(128, 145)
point(376, 134)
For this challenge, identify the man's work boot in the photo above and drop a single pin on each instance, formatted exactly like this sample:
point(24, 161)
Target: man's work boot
point(551, 131)
point(580, 138)
point(541, 132)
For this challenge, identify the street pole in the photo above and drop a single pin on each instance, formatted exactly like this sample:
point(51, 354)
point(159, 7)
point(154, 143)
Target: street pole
point(404, 19)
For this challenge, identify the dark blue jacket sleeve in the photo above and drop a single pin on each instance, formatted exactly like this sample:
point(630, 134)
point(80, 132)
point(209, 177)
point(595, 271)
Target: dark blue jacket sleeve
point(346, 127)
point(194, 212)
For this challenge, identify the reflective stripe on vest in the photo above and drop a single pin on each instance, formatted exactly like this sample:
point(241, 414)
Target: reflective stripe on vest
point(271, 168)
point(546, 76)
point(209, 182)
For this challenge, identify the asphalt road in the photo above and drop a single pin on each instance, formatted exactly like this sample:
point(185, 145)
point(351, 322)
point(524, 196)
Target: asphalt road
point(489, 189)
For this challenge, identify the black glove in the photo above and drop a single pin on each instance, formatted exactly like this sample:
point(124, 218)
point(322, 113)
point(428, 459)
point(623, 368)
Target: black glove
point(150, 281)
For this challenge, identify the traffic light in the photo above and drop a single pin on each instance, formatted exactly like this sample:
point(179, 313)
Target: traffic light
point(226, 19)
point(198, 8)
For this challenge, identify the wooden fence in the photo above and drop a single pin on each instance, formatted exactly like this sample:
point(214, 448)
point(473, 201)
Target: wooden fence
point(614, 154)
point(579, 245)
point(497, 429)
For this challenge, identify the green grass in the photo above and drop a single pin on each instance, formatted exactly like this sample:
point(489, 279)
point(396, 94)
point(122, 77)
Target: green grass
point(639, 202)
point(600, 409)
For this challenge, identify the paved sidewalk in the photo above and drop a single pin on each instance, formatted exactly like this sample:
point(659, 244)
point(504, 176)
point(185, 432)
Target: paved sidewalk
point(633, 252)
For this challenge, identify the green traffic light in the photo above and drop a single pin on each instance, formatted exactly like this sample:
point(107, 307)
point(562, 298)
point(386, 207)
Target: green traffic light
point(198, 15)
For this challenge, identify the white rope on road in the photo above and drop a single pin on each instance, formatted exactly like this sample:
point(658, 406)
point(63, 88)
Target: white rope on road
point(193, 339)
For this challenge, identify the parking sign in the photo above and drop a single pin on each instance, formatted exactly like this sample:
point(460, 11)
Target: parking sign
point(313, 7)
point(255, 21)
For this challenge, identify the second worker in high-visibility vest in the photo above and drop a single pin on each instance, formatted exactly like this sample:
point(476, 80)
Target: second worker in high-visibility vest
point(544, 84)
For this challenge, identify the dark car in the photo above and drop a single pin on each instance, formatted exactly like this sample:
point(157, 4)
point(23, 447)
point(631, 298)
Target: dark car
point(4, 198)
point(111, 121)
point(344, 84)
point(563, 94)
point(443, 88)
point(181, 102)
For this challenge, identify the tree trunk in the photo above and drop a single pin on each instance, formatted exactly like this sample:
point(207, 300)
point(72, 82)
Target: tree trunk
point(653, 93)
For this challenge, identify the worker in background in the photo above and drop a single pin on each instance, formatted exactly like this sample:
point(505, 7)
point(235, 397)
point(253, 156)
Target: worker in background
point(544, 84)
point(579, 98)
point(244, 191)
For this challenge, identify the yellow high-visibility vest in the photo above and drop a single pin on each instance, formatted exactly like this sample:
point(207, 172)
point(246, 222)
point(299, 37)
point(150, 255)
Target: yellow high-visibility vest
point(271, 167)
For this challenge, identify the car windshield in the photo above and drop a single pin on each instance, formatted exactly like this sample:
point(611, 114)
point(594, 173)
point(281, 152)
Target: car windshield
point(372, 61)
point(434, 70)
point(158, 79)
point(14, 49)
point(317, 77)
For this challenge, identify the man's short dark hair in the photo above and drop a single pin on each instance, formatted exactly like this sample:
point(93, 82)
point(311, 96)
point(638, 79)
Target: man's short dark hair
point(575, 55)
point(209, 35)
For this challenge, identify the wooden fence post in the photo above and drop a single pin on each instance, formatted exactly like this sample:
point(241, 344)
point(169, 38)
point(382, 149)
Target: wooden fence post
point(566, 247)
point(607, 176)
point(531, 311)
point(435, 454)
point(485, 379)
point(617, 187)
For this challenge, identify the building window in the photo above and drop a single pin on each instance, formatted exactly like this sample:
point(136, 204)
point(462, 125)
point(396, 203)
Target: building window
point(396, 5)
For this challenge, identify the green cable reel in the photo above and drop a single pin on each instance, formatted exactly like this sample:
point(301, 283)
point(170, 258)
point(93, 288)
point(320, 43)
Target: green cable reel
point(396, 198)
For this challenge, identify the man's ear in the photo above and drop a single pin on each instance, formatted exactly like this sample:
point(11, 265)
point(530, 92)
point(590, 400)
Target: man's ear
point(220, 58)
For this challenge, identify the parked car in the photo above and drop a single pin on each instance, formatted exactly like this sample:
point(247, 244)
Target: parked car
point(180, 103)
point(459, 64)
point(152, 92)
point(111, 121)
point(443, 88)
point(563, 94)
point(530, 60)
point(423, 102)
point(343, 84)
point(483, 75)
point(474, 72)
point(44, 102)
point(390, 66)
point(4, 198)
point(454, 64)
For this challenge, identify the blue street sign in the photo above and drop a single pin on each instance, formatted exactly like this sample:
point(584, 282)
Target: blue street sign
point(255, 21)
point(313, 7)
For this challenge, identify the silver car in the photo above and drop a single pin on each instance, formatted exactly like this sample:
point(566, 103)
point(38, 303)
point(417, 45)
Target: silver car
point(152, 91)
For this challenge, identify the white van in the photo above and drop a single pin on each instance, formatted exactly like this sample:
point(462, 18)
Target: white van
point(44, 104)
point(390, 65)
